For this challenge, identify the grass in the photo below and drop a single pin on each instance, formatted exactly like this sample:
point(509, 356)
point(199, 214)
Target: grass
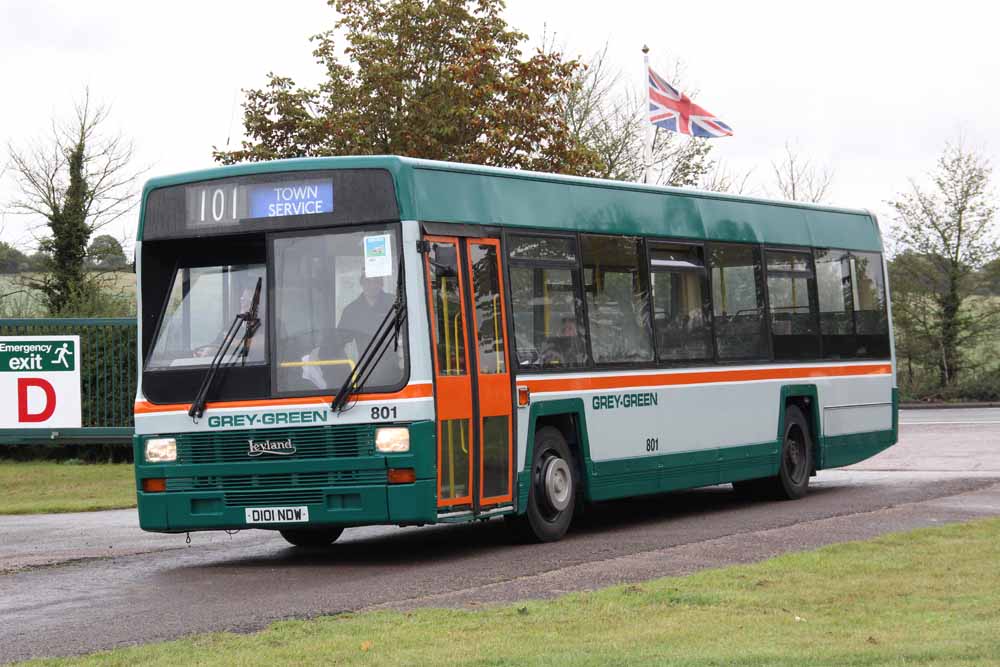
point(43, 487)
point(923, 598)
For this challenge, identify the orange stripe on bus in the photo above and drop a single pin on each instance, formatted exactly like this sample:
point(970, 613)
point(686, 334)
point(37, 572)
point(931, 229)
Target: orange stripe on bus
point(410, 391)
point(568, 384)
point(700, 377)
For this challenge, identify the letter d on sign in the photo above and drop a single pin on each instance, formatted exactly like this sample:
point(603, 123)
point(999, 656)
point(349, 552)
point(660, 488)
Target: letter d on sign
point(23, 384)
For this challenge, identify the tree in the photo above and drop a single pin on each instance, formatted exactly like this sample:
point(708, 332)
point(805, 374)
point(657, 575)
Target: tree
point(38, 262)
point(608, 117)
point(441, 79)
point(989, 278)
point(946, 231)
point(912, 319)
point(723, 178)
point(78, 181)
point(12, 260)
point(797, 179)
point(105, 253)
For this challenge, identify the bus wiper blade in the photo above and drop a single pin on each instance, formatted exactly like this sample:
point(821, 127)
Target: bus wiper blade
point(252, 322)
point(370, 357)
point(198, 405)
point(368, 361)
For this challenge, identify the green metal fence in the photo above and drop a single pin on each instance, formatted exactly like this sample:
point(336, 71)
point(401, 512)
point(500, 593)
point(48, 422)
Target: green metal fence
point(107, 379)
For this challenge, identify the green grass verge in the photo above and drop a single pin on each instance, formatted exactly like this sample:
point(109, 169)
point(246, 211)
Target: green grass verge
point(923, 598)
point(43, 487)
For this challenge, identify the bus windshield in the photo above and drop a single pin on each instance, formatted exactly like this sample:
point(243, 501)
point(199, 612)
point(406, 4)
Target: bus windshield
point(202, 302)
point(332, 289)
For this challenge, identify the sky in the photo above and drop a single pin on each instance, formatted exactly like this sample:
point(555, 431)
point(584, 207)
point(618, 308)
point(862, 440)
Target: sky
point(871, 90)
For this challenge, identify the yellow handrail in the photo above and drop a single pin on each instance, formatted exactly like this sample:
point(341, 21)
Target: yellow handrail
point(451, 459)
point(722, 289)
point(458, 358)
point(445, 319)
point(465, 441)
point(546, 306)
point(496, 330)
point(318, 362)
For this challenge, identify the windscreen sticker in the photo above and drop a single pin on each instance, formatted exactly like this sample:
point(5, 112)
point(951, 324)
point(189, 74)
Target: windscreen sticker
point(378, 258)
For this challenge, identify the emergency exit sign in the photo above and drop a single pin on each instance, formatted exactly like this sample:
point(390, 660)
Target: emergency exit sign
point(40, 381)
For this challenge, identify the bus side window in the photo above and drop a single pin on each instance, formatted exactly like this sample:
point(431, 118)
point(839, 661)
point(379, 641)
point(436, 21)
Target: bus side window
point(836, 303)
point(681, 311)
point(546, 303)
point(853, 318)
point(870, 320)
point(790, 285)
point(737, 301)
point(617, 306)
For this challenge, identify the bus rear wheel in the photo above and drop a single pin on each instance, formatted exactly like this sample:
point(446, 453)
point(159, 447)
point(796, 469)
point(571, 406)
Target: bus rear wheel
point(322, 537)
point(792, 480)
point(552, 495)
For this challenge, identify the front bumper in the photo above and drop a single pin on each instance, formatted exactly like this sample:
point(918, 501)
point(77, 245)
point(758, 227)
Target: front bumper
point(178, 512)
point(339, 491)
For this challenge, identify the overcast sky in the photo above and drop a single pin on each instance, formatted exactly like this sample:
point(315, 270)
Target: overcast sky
point(871, 89)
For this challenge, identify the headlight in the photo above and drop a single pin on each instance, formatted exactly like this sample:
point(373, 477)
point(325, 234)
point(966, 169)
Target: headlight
point(161, 450)
point(392, 439)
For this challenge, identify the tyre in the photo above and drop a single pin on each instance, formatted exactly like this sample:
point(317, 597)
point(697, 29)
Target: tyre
point(552, 495)
point(321, 537)
point(792, 480)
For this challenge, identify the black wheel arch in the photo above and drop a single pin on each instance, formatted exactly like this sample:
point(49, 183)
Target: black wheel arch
point(806, 399)
point(569, 417)
point(569, 424)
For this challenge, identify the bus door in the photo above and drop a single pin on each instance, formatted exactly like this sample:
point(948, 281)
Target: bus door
point(472, 372)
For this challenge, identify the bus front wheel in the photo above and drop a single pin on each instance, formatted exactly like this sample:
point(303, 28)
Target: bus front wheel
point(323, 537)
point(552, 496)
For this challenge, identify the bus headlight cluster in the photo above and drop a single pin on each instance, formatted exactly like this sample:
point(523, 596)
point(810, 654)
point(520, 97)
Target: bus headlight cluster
point(161, 450)
point(390, 439)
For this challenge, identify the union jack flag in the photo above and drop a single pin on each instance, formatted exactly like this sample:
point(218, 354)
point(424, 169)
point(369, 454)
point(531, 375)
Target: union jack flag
point(672, 110)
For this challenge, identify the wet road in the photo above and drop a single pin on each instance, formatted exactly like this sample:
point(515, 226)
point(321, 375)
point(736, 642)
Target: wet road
point(77, 583)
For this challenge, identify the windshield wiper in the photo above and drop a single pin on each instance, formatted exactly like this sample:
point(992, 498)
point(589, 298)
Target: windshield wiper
point(387, 330)
point(252, 322)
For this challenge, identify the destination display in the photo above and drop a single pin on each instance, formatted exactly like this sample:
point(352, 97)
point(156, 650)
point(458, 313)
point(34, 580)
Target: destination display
point(229, 203)
point(265, 202)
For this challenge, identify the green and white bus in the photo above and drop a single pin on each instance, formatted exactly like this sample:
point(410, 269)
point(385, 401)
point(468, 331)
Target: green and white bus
point(347, 341)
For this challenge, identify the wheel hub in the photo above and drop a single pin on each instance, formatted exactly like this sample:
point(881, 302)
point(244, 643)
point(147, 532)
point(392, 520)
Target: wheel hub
point(557, 481)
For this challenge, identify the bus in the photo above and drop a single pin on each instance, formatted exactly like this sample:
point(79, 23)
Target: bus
point(348, 341)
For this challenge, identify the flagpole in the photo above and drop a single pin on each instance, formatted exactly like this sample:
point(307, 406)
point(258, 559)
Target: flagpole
point(647, 153)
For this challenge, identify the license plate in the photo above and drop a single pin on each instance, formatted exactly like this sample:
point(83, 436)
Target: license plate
point(277, 514)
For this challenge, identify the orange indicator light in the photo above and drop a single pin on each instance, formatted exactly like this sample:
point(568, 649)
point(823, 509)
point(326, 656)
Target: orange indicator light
point(156, 484)
point(523, 396)
point(402, 476)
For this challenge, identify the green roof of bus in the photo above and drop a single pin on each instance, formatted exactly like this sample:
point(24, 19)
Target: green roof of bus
point(450, 192)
